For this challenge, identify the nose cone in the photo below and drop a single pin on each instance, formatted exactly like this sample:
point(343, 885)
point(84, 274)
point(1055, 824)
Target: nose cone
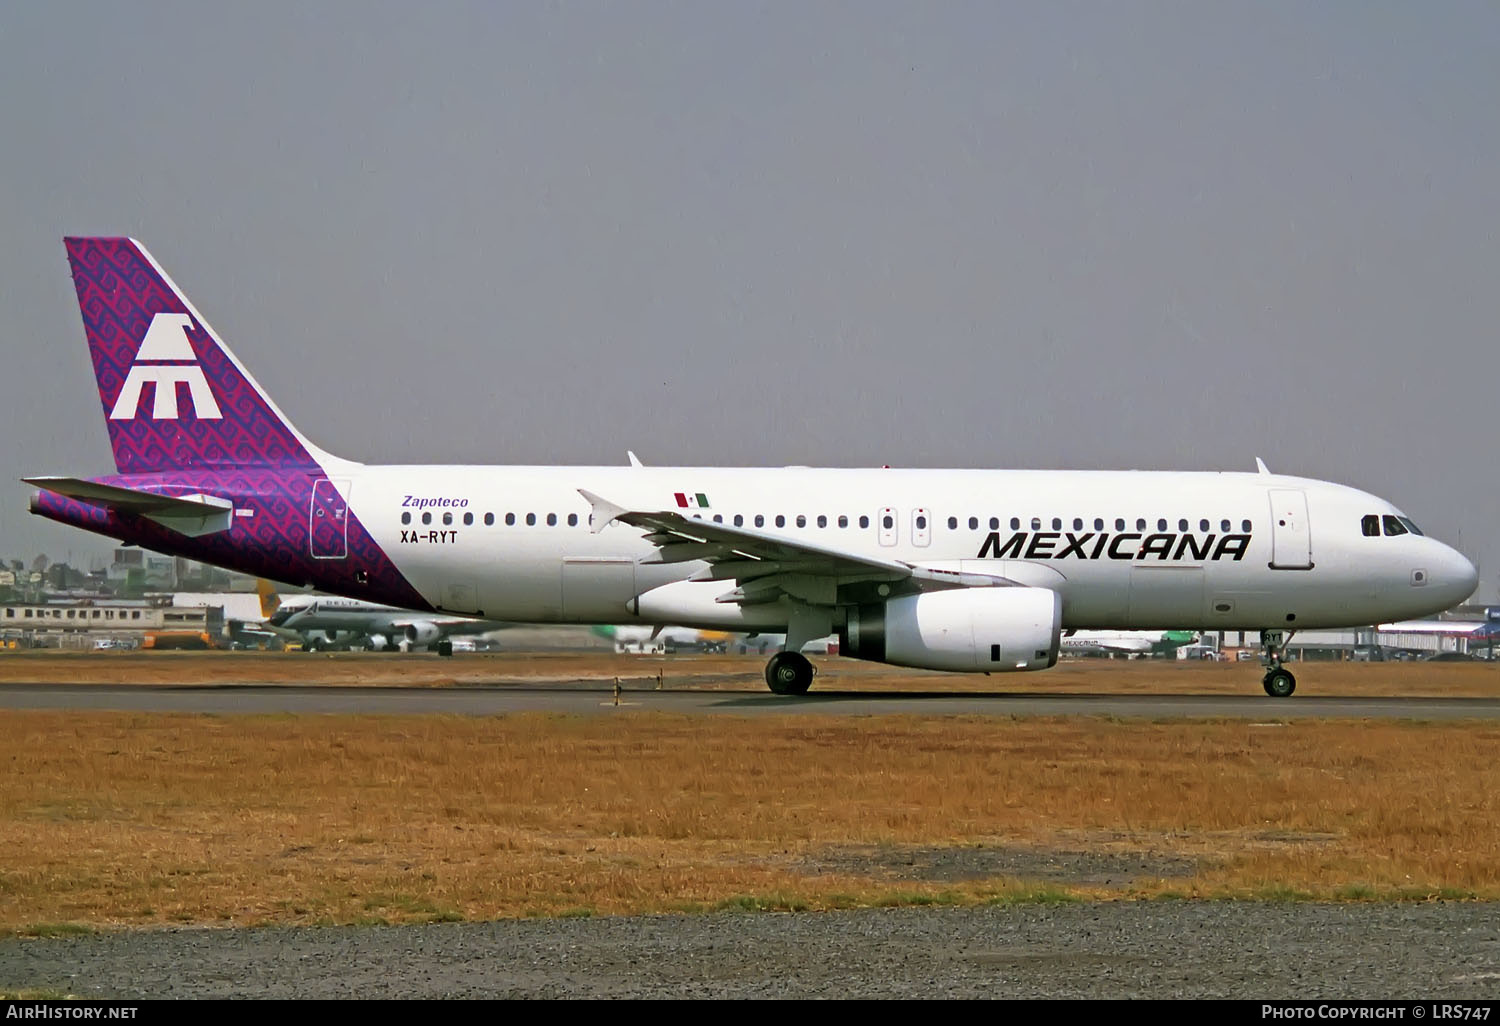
point(1454, 577)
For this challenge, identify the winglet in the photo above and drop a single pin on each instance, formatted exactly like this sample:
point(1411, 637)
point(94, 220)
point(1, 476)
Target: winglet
point(604, 512)
point(1260, 465)
point(635, 461)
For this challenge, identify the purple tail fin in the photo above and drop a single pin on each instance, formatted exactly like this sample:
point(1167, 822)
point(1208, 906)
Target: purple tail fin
point(174, 395)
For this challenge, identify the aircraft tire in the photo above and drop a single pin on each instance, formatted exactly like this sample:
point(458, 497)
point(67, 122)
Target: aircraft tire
point(1280, 683)
point(789, 673)
point(444, 648)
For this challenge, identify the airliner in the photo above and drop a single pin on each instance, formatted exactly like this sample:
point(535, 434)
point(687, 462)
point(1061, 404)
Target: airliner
point(1130, 643)
point(327, 621)
point(959, 570)
point(659, 638)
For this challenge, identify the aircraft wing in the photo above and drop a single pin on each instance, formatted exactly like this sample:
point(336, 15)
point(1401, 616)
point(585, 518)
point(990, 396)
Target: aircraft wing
point(760, 562)
point(449, 624)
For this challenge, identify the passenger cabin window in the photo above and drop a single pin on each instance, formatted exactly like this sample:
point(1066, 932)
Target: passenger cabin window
point(953, 523)
point(1182, 525)
point(994, 523)
point(468, 519)
point(1245, 526)
point(1203, 524)
point(406, 518)
point(822, 520)
point(1370, 525)
point(843, 521)
point(739, 520)
point(973, 523)
point(1224, 526)
point(1119, 523)
point(780, 520)
point(864, 521)
point(1015, 523)
point(801, 520)
point(921, 523)
point(1098, 523)
point(1393, 526)
point(1036, 523)
point(1161, 525)
point(1057, 523)
point(447, 518)
point(887, 522)
point(718, 518)
point(1140, 523)
point(510, 520)
point(489, 520)
point(551, 519)
point(426, 518)
point(760, 520)
point(531, 520)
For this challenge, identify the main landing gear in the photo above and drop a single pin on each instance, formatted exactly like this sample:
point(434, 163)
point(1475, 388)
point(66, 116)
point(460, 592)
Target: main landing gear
point(1278, 681)
point(789, 673)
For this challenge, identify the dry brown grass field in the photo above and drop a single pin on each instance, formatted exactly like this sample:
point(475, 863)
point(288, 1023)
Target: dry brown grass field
point(120, 819)
point(1093, 676)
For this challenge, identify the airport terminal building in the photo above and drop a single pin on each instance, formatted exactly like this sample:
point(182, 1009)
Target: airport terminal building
point(110, 623)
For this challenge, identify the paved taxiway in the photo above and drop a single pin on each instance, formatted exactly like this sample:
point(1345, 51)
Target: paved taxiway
point(1108, 950)
point(592, 699)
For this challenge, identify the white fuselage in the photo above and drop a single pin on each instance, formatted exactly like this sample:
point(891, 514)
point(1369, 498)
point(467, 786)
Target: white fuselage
point(1130, 549)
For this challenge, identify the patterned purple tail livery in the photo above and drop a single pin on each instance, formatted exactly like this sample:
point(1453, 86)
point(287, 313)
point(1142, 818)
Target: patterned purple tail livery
point(174, 396)
point(186, 418)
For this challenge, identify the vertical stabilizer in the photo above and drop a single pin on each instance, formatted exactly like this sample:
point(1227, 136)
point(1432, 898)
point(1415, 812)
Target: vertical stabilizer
point(174, 396)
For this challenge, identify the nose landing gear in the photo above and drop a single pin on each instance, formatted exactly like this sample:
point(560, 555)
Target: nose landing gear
point(1278, 681)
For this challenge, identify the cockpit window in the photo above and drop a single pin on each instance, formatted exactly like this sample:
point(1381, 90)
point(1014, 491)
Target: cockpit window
point(1413, 528)
point(1393, 526)
point(1370, 524)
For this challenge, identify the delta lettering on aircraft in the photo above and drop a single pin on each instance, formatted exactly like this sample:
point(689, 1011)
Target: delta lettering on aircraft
point(166, 339)
point(1103, 545)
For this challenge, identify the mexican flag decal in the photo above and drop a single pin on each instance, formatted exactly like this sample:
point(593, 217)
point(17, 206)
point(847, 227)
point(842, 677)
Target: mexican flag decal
point(689, 500)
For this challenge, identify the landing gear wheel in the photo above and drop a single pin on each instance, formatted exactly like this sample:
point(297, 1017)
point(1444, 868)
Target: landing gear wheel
point(789, 673)
point(444, 648)
point(1280, 683)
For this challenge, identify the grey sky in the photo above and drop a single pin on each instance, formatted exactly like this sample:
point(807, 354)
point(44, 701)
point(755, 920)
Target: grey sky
point(1164, 236)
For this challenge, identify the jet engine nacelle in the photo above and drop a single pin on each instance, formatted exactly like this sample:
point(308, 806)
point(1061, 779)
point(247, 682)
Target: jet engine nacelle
point(978, 630)
point(422, 633)
point(378, 642)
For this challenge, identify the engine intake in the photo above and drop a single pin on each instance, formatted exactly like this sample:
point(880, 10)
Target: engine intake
point(978, 630)
point(422, 633)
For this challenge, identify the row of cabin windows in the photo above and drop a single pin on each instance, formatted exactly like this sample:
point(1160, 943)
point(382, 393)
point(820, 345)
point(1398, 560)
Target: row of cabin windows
point(74, 614)
point(1371, 524)
point(888, 522)
point(489, 519)
point(1141, 524)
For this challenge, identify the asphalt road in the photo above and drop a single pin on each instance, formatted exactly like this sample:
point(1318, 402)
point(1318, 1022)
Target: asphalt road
point(594, 699)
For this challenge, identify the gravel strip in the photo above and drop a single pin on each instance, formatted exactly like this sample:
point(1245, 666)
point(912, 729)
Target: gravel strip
point(1161, 949)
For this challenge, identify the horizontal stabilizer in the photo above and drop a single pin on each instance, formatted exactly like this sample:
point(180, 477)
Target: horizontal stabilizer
point(192, 515)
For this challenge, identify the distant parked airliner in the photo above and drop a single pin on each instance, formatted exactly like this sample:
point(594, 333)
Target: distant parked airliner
point(975, 570)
